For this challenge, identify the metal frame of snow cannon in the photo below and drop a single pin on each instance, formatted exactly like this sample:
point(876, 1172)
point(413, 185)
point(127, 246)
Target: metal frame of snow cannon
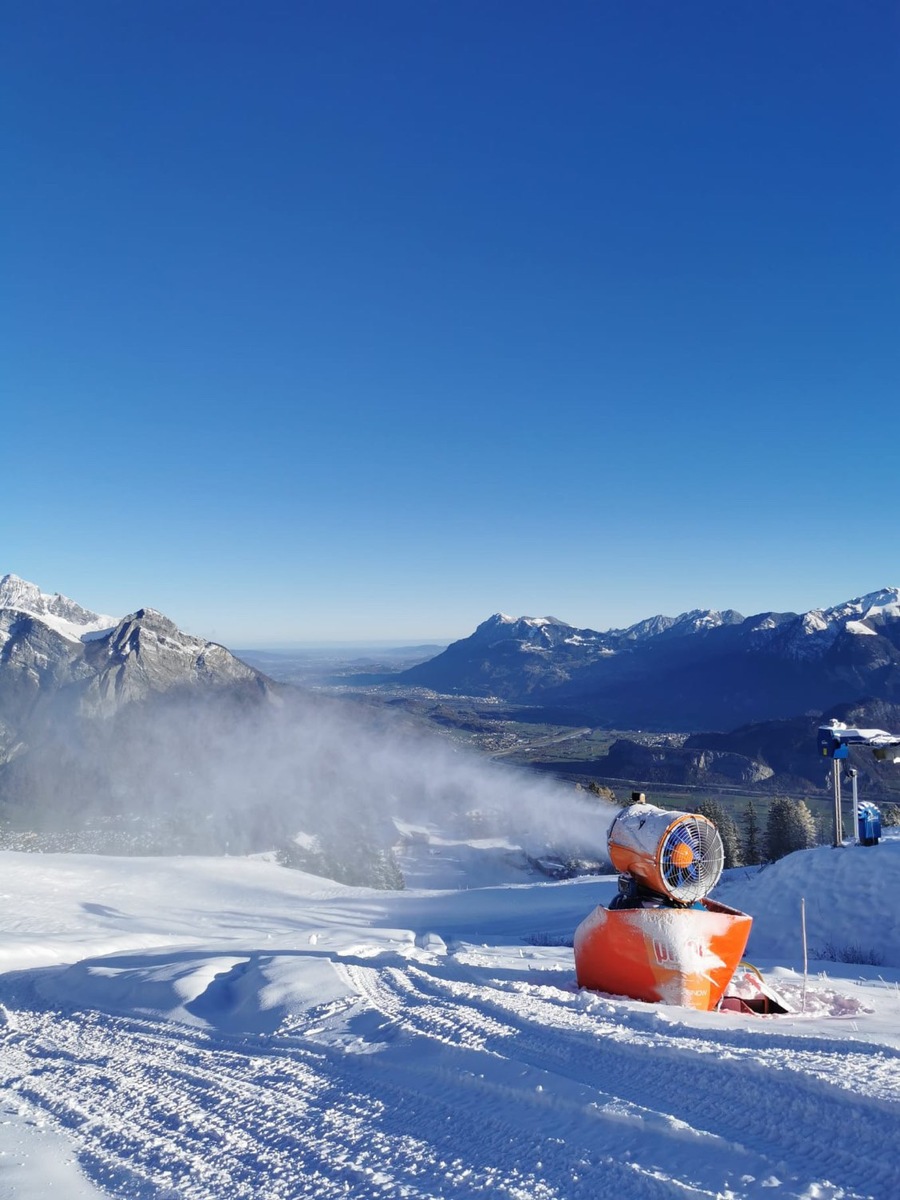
point(662, 939)
point(834, 742)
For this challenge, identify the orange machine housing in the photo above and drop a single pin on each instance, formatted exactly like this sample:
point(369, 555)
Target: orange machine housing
point(683, 956)
point(639, 838)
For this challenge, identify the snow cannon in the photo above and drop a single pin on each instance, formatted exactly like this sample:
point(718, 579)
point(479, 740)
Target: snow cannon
point(677, 855)
point(662, 938)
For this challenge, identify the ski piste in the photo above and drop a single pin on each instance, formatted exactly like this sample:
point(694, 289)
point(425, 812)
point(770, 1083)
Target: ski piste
point(206, 1028)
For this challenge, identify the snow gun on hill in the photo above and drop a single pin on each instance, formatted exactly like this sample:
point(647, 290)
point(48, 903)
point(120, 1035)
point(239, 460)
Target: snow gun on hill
point(834, 742)
point(662, 938)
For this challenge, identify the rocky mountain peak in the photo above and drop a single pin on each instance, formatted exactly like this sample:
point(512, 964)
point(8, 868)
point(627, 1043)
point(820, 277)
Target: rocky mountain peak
point(876, 606)
point(56, 653)
point(530, 633)
point(58, 611)
point(151, 618)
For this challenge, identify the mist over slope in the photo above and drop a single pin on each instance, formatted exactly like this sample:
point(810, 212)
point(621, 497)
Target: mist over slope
point(157, 741)
point(210, 774)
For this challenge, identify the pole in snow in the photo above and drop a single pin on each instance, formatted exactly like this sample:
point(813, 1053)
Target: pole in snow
point(852, 772)
point(805, 957)
point(838, 824)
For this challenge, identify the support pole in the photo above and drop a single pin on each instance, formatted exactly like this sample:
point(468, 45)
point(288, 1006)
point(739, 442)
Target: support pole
point(805, 955)
point(855, 806)
point(838, 825)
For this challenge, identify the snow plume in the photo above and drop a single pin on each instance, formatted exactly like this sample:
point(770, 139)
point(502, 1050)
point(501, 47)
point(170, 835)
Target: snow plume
point(235, 774)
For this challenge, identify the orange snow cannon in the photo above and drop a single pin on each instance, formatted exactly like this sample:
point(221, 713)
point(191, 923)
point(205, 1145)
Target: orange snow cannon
point(662, 939)
point(675, 855)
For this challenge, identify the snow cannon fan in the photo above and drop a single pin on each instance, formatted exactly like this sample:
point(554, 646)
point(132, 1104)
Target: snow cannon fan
point(676, 855)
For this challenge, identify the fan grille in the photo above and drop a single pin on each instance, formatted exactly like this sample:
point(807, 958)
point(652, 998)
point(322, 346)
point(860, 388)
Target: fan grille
point(691, 859)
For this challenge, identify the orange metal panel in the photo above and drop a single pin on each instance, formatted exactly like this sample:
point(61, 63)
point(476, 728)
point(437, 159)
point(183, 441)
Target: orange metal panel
point(683, 956)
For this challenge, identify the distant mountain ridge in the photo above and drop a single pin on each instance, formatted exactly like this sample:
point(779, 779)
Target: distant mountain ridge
point(701, 670)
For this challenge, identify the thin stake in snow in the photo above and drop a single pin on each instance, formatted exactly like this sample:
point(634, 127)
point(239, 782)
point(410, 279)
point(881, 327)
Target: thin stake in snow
point(805, 959)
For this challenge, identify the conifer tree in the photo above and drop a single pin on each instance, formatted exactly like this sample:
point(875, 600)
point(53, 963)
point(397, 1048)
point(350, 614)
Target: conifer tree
point(753, 851)
point(790, 826)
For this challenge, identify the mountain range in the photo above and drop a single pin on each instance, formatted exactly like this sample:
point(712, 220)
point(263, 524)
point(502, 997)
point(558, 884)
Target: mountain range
point(702, 670)
point(135, 711)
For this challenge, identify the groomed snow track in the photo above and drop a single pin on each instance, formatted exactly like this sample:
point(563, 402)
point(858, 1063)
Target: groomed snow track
point(454, 1078)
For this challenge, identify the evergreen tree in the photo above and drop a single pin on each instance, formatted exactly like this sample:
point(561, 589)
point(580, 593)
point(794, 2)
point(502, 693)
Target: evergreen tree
point(824, 822)
point(385, 871)
point(805, 826)
point(731, 842)
point(789, 826)
point(753, 850)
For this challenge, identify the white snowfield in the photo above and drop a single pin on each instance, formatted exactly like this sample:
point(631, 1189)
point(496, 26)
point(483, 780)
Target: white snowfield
point(202, 1028)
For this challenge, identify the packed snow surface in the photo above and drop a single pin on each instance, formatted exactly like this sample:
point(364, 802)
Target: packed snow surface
point(198, 1028)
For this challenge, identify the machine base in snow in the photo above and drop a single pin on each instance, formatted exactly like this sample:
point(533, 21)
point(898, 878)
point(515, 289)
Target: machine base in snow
point(684, 956)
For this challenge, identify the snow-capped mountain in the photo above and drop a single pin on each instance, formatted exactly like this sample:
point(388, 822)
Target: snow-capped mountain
point(702, 669)
point(866, 616)
point(546, 633)
point(56, 611)
point(55, 654)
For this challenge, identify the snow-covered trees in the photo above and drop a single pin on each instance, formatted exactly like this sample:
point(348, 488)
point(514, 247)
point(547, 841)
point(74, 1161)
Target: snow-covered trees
point(790, 826)
point(351, 851)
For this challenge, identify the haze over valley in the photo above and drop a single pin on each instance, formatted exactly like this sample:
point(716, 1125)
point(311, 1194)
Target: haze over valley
point(129, 735)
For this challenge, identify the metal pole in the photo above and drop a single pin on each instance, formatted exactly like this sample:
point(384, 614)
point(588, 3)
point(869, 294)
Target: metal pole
point(838, 826)
point(805, 957)
point(855, 806)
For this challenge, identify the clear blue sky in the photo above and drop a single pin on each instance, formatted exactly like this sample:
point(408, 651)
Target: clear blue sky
point(349, 320)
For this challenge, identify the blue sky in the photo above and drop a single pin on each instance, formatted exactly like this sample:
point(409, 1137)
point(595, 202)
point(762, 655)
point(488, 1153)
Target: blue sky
point(365, 320)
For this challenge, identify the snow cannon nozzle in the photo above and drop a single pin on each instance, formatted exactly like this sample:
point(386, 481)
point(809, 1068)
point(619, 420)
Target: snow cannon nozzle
point(677, 856)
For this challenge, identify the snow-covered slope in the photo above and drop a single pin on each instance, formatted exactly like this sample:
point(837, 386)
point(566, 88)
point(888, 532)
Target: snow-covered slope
point(224, 1028)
